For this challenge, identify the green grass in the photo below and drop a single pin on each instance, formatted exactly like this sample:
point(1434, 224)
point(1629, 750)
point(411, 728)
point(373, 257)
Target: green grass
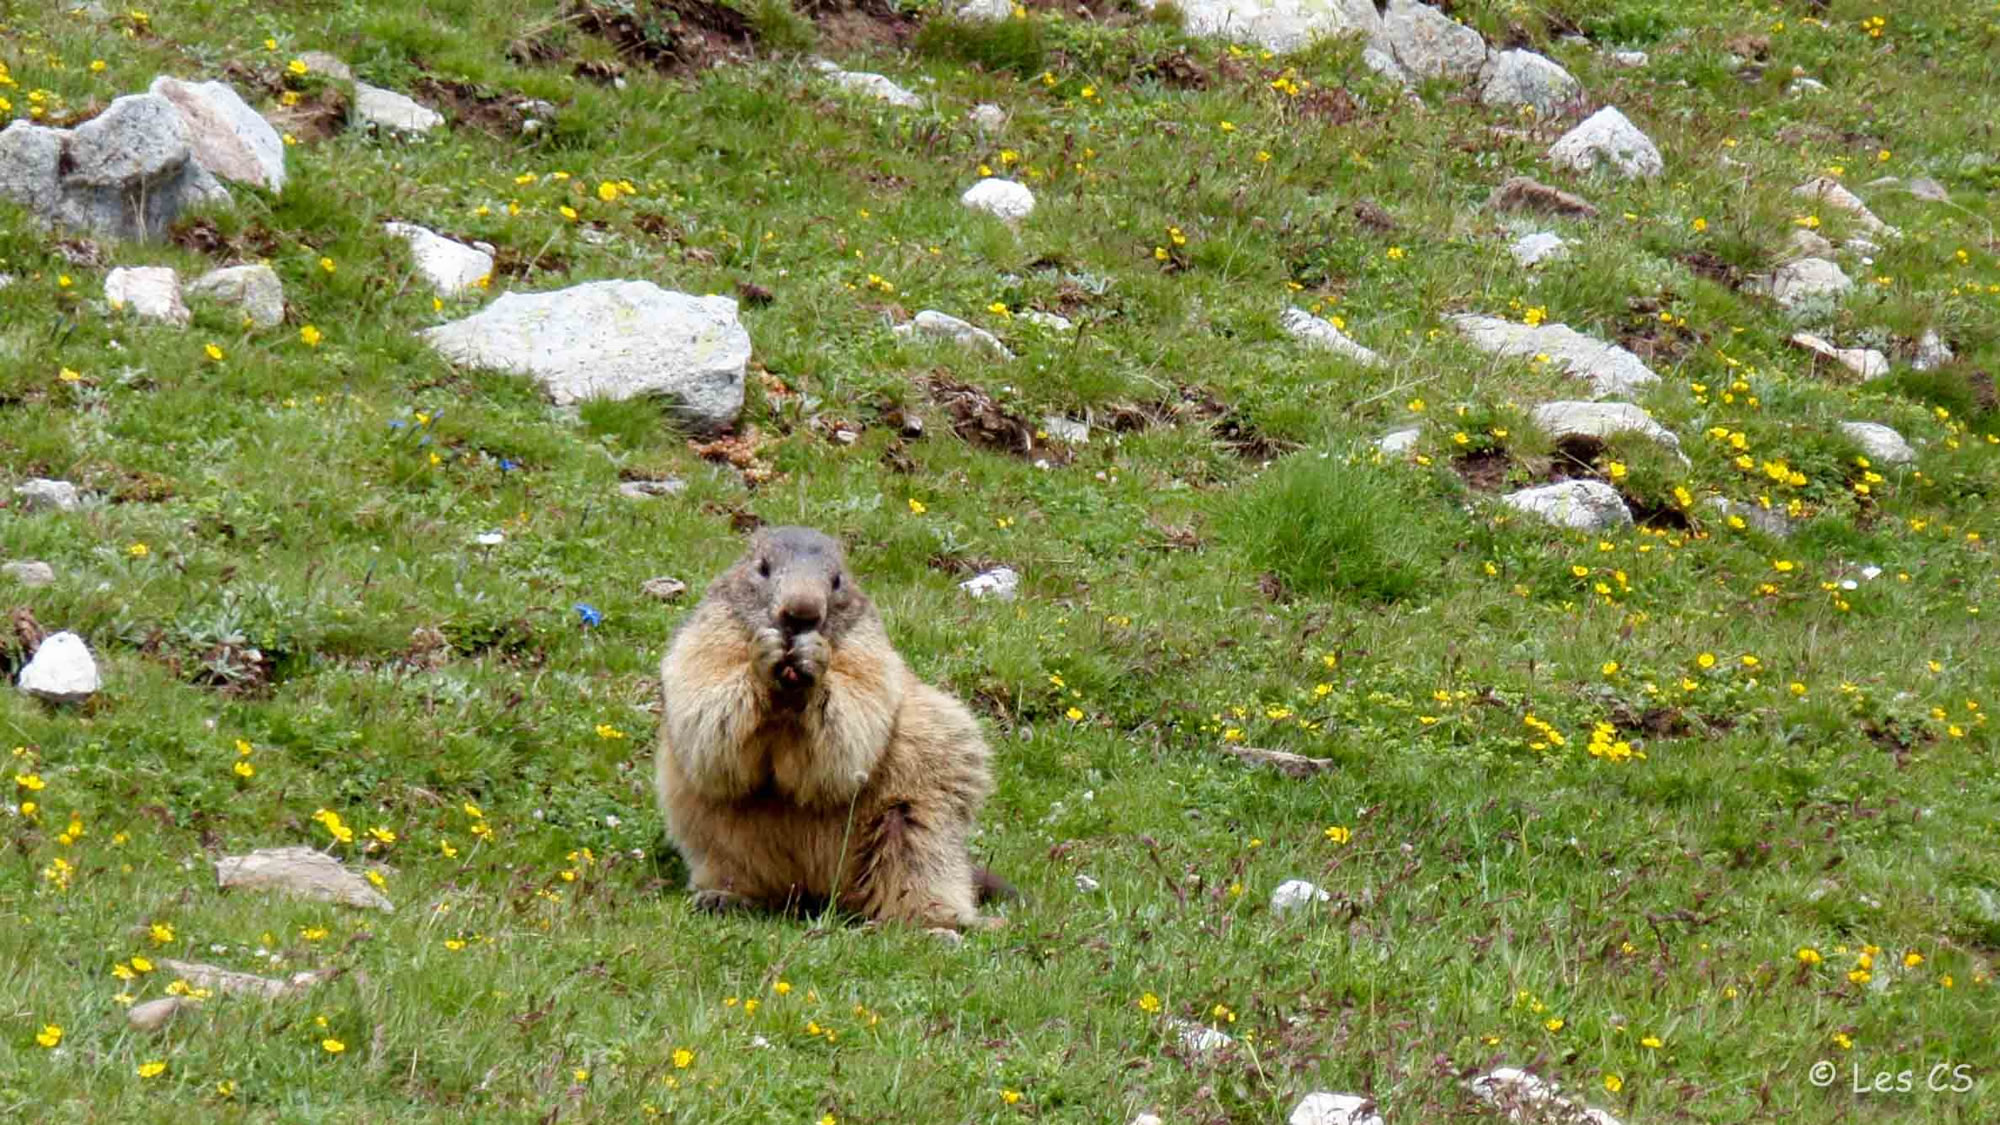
point(320, 505)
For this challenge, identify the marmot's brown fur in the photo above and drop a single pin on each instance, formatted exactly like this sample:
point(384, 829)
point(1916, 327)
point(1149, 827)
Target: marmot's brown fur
point(800, 761)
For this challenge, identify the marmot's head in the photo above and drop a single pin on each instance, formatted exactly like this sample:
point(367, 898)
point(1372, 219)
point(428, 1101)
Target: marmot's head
point(794, 580)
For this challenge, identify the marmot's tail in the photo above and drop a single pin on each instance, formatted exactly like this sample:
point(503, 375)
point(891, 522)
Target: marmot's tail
point(988, 887)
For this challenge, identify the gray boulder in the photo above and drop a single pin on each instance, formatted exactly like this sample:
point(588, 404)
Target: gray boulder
point(615, 340)
point(1608, 138)
point(1602, 420)
point(391, 111)
point(30, 574)
point(1318, 332)
point(1523, 78)
point(62, 670)
point(1809, 279)
point(129, 172)
point(256, 289)
point(153, 292)
point(1880, 443)
point(1430, 44)
point(1586, 505)
point(1610, 369)
point(41, 494)
point(450, 267)
point(943, 326)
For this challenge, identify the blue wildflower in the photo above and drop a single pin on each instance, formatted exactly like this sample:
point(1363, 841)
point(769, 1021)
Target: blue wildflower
point(588, 613)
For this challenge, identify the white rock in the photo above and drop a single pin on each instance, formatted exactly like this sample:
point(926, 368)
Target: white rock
point(29, 573)
point(490, 538)
point(1001, 584)
point(1932, 351)
point(1086, 884)
point(1770, 521)
point(62, 671)
point(387, 109)
point(153, 292)
point(1335, 1109)
point(1807, 244)
point(128, 172)
point(989, 117)
point(229, 138)
point(1004, 199)
point(650, 489)
point(1880, 443)
point(450, 267)
point(1318, 332)
point(1871, 572)
point(1602, 420)
point(869, 85)
point(1066, 429)
point(1527, 1100)
point(1397, 442)
point(1430, 44)
point(1608, 137)
point(40, 494)
point(1828, 191)
point(255, 288)
point(326, 66)
point(1610, 369)
point(1865, 362)
point(665, 588)
point(1516, 78)
point(941, 326)
point(1630, 59)
point(1796, 283)
point(1929, 190)
point(613, 340)
point(1147, 1119)
point(1800, 86)
point(1384, 64)
point(1282, 26)
point(1292, 894)
point(1532, 250)
point(301, 872)
point(1050, 321)
point(1587, 505)
point(985, 11)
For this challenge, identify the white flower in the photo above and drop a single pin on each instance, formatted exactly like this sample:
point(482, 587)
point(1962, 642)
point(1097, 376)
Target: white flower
point(1871, 573)
point(490, 539)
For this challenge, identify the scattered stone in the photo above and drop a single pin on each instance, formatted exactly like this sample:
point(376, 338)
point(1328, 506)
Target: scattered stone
point(989, 117)
point(650, 489)
point(1520, 193)
point(1587, 505)
point(1602, 420)
point(1608, 137)
point(319, 62)
point(1770, 521)
point(450, 267)
point(612, 340)
point(985, 11)
point(1147, 1119)
point(302, 873)
point(1527, 1100)
point(1066, 429)
point(1828, 191)
point(30, 573)
point(1807, 244)
point(1384, 64)
point(1430, 44)
point(1516, 78)
point(397, 113)
point(1284, 761)
point(1003, 199)
point(941, 326)
point(1335, 1109)
point(1802, 281)
point(1002, 584)
point(1610, 369)
point(1398, 442)
point(255, 289)
point(1932, 352)
point(874, 85)
point(229, 138)
point(62, 670)
point(1878, 442)
point(1282, 26)
point(41, 494)
point(1865, 362)
point(154, 1014)
point(1631, 60)
point(1086, 884)
point(1295, 893)
point(664, 589)
point(1531, 250)
point(153, 292)
point(1928, 190)
point(226, 982)
point(1865, 247)
point(1805, 86)
point(129, 172)
point(1048, 321)
point(1318, 332)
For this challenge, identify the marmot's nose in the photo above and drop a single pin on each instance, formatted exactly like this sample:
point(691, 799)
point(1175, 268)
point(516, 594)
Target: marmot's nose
point(801, 614)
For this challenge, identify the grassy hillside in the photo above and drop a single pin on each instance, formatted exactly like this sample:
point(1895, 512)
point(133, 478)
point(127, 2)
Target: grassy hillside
point(1667, 815)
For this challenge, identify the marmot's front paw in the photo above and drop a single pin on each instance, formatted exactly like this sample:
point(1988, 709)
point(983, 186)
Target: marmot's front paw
point(719, 902)
point(767, 651)
point(807, 659)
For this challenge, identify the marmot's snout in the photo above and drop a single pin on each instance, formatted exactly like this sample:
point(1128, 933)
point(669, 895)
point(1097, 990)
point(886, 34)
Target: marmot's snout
point(800, 610)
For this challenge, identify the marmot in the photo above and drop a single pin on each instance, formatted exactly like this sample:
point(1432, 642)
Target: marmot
point(801, 762)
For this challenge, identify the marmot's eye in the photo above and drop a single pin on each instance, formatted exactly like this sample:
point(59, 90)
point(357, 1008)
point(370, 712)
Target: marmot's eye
point(836, 581)
point(763, 568)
